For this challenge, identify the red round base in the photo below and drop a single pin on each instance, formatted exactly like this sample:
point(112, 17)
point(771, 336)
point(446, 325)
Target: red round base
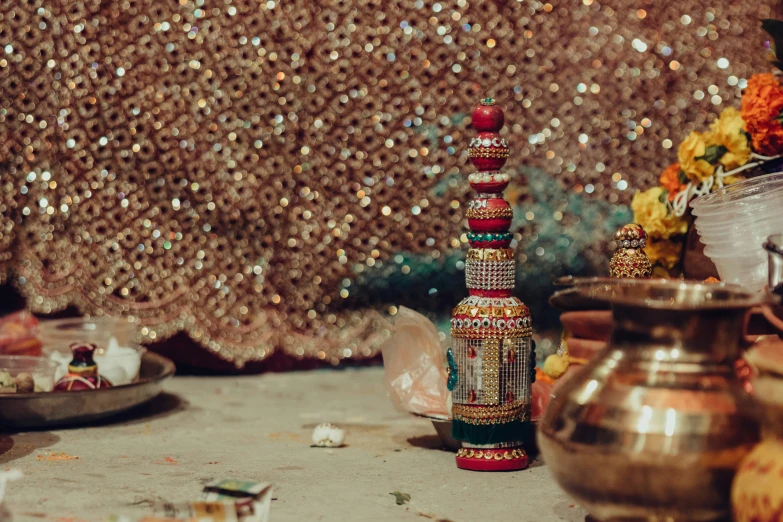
point(489, 293)
point(481, 463)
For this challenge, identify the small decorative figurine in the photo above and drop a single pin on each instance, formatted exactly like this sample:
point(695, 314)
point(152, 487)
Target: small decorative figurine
point(82, 371)
point(491, 365)
point(630, 260)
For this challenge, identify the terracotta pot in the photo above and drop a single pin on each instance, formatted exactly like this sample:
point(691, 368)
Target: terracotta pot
point(695, 264)
point(757, 492)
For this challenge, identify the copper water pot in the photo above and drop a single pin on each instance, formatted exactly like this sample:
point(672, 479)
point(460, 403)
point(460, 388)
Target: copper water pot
point(654, 427)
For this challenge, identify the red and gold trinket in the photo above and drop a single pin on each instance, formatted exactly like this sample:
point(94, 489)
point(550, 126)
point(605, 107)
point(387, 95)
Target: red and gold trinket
point(630, 260)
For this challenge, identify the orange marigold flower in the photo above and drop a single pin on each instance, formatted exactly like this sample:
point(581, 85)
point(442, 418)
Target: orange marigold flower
point(670, 180)
point(762, 104)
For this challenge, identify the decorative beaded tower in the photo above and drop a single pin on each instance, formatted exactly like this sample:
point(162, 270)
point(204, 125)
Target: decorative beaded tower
point(491, 364)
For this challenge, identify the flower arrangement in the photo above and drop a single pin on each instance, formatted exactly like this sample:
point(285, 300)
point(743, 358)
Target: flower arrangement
point(735, 143)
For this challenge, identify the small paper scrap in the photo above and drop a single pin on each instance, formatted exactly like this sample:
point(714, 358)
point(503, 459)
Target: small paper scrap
point(57, 456)
point(221, 501)
point(231, 489)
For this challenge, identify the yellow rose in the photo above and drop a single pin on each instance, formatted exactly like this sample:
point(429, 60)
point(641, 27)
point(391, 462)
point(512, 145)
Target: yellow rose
point(693, 147)
point(651, 212)
point(726, 131)
point(663, 252)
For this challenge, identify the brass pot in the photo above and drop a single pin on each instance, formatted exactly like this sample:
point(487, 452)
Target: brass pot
point(654, 427)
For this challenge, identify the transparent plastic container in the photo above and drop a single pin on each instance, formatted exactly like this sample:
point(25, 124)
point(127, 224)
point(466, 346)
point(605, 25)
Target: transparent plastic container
point(752, 234)
point(748, 205)
point(742, 194)
point(734, 221)
point(42, 369)
point(740, 229)
point(732, 249)
point(752, 240)
point(752, 277)
point(769, 212)
point(59, 334)
point(740, 253)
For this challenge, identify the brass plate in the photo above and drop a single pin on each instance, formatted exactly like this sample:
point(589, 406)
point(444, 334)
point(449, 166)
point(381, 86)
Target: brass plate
point(23, 411)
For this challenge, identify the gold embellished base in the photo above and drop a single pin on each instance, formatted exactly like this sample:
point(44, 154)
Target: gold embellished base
point(502, 459)
point(491, 454)
point(630, 263)
point(486, 415)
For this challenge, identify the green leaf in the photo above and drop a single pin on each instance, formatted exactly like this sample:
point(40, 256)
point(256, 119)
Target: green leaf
point(683, 178)
point(401, 498)
point(664, 196)
point(713, 154)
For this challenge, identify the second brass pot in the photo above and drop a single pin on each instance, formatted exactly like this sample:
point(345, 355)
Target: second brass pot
point(654, 428)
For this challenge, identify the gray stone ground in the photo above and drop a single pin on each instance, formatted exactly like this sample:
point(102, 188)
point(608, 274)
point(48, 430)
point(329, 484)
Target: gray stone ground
point(259, 428)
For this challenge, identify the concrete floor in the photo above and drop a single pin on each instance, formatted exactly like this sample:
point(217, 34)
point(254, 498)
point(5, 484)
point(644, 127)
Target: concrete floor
point(258, 428)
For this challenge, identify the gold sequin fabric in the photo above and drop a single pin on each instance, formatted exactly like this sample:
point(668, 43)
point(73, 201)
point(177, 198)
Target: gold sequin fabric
point(227, 168)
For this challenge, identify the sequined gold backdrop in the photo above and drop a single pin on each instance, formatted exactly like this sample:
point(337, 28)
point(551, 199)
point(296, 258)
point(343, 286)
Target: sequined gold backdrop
point(266, 175)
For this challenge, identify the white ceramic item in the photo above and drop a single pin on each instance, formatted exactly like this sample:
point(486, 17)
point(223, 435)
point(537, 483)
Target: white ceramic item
point(328, 436)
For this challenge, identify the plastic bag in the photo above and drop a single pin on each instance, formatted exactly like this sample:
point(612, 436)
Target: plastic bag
point(414, 366)
point(541, 394)
point(17, 334)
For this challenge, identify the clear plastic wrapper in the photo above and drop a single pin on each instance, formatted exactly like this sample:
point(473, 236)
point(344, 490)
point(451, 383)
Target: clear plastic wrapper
point(416, 379)
point(17, 334)
point(415, 367)
point(540, 394)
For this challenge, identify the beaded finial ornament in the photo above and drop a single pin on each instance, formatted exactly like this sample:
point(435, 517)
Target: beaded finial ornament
point(630, 260)
point(492, 361)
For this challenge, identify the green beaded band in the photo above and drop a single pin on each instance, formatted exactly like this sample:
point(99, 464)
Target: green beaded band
point(489, 236)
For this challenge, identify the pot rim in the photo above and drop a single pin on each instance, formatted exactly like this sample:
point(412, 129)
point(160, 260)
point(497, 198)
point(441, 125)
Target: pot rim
point(774, 244)
point(663, 294)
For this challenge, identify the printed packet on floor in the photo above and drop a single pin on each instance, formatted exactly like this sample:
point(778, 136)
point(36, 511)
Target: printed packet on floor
point(221, 501)
point(232, 489)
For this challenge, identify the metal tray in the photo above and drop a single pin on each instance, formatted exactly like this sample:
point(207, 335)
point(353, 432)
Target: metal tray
point(571, 281)
point(22, 411)
point(574, 300)
point(443, 428)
